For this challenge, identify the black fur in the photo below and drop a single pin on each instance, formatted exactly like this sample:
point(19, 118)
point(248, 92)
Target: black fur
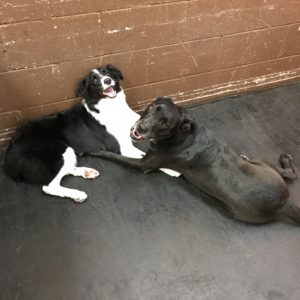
point(35, 152)
point(250, 190)
point(89, 88)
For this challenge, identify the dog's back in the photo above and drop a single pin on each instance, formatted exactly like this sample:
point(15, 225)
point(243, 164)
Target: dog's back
point(34, 153)
point(84, 133)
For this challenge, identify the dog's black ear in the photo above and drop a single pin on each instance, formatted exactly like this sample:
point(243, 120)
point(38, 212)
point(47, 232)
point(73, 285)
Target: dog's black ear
point(169, 99)
point(81, 90)
point(186, 122)
point(114, 72)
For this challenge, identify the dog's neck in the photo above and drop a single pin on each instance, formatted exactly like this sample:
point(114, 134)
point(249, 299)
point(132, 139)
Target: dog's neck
point(178, 140)
point(198, 134)
point(93, 105)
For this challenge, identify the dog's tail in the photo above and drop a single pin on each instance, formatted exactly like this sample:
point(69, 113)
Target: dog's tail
point(291, 211)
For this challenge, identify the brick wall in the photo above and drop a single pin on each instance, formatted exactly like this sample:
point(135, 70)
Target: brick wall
point(192, 49)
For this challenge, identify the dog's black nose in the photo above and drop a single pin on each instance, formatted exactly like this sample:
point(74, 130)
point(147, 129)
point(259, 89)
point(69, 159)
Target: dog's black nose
point(107, 81)
point(140, 128)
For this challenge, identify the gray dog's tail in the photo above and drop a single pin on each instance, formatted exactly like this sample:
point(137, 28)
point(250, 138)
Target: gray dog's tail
point(291, 211)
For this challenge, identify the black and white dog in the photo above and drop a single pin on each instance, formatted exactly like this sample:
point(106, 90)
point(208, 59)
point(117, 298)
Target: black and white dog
point(45, 150)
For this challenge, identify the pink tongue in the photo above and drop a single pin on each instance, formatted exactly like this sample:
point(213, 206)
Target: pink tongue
point(110, 92)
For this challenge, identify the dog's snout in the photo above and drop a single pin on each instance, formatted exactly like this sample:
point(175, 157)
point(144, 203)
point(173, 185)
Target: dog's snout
point(107, 81)
point(140, 128)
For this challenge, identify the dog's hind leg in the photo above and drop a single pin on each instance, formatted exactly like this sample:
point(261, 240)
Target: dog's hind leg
point(69, 167)
point(85, 172)
point(287, 170)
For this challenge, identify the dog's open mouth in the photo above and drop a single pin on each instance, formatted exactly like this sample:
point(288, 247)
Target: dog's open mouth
point(110, 92)
point(134, 134)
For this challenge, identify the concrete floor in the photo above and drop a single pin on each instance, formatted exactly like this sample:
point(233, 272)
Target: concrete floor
point(146, 237)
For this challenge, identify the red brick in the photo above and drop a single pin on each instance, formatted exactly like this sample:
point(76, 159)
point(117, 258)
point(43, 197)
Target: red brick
point(213, 18)
point(44, 42)
point(206, 55)
point(73, 72)
point(10, 119)
point(256, 69)
point(18, 10)
point(290, 42)
point(72, 7)
point(34, 112)
point(143, 27)
point(140, 96)
point(182, 89)
point(246, 48)
point(121, 4)
point(129, 63)
point(159, 64)
point(25, 88)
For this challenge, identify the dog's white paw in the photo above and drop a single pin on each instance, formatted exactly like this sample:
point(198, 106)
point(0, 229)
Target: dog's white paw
point(85, 172)
point(140, 155)
point(79, 196)
point(170, 172)
point(133, 153)
point(90, 173)
point(58, 190)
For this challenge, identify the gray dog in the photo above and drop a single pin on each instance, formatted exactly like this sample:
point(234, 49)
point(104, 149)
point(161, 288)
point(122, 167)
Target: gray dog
point(251, 191)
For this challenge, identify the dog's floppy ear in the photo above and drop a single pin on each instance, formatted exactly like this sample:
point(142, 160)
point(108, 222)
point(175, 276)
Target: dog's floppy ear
point(114, 72)
point(186, 122)
point(81, 90)
point(169, 99)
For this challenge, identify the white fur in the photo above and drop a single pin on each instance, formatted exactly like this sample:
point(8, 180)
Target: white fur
point(97, 72)
point(118, 118)
point(69, 168)
point(170, 172)
point(102, 78)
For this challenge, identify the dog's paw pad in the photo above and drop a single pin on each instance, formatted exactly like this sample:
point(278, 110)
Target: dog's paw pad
point(80, 197)
point(91, 173)
point(285, 160)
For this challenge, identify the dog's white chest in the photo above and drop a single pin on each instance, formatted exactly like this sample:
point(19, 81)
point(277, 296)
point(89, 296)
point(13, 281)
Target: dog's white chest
point(118, 118)
point(116, 115)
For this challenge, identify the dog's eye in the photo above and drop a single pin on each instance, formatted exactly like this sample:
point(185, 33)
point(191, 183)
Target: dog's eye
point(104, 72)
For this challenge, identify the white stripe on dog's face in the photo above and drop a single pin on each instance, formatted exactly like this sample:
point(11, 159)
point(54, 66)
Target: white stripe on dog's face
point(96, 72)
point(106, 81)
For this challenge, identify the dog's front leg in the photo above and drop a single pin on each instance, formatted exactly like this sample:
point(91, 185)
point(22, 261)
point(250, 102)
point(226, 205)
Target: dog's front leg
point(146, 164)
